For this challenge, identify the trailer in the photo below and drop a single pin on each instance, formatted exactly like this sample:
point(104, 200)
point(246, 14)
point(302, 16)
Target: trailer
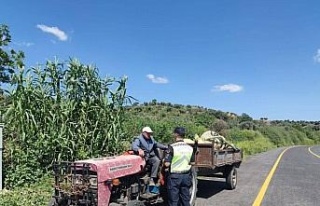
point(213, 162)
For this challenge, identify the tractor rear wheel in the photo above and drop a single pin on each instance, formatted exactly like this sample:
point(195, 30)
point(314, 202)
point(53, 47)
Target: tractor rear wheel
point(193, 190)
point(194, 187)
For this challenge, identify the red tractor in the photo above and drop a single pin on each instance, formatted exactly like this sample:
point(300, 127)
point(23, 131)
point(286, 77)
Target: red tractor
point(115, 181)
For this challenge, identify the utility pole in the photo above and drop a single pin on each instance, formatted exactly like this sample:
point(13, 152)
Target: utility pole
point(1, 150)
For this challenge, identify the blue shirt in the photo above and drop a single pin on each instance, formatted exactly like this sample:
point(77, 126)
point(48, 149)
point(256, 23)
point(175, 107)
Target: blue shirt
point(147, 145)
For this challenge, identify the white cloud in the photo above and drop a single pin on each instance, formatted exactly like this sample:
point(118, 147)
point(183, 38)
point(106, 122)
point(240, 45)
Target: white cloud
point(26, 44)
point(62, 36)
point(317, 56)
point(157, 80)
point(227, 88)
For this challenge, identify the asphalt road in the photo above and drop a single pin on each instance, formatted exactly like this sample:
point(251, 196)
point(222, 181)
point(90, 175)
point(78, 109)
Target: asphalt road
point(296, 180)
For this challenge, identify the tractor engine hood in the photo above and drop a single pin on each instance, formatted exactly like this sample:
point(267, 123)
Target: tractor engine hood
point(108, 168)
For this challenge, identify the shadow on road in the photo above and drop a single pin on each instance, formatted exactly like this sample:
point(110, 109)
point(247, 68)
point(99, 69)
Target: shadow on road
point(209, 188)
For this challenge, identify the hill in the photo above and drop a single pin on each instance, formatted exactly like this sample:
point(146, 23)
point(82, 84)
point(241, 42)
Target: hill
point(253, 135)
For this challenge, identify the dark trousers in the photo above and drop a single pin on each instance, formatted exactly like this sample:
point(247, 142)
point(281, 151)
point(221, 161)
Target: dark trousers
point(178, 186)
point(154, 161)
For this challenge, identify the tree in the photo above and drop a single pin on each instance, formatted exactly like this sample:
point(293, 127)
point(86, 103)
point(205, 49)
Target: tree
point(220, 126)
point(245, 118)
point(154, 102)
point(10, 59)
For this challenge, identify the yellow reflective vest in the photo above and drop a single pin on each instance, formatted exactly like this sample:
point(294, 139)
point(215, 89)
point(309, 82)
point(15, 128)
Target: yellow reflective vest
point(182, 154)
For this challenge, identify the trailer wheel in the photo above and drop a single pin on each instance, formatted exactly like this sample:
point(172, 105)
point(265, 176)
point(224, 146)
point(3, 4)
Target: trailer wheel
point(231, 178)
point(194, 187)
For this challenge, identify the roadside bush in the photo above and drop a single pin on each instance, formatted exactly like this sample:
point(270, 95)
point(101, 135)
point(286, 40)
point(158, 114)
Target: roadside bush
point(238, 135)
point(260, 144)
point(162, 127)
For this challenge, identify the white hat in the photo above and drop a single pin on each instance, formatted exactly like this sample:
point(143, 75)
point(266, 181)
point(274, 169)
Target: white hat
point(147, 129)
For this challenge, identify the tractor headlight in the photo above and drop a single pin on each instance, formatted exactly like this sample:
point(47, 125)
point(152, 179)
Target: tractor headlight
point(93, 181)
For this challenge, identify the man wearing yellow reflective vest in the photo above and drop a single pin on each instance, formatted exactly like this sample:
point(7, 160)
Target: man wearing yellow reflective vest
point(177, 161)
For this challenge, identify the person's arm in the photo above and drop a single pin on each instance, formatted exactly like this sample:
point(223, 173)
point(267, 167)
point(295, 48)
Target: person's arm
point(168, 156)
point(136, 147)
point(160, 146)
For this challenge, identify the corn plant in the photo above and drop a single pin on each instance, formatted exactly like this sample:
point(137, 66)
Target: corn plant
point(61, 111)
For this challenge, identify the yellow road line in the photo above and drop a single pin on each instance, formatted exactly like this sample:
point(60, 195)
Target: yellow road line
point(313, 153)
point(266, 183)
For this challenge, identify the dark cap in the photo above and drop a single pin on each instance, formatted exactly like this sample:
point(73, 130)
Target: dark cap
point(180, 131)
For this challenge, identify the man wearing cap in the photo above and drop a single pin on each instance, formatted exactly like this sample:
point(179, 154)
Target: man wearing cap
point(179, 177)
point(146, 146)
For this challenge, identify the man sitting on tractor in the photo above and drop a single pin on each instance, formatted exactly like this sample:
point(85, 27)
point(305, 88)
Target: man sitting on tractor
point(146, 146)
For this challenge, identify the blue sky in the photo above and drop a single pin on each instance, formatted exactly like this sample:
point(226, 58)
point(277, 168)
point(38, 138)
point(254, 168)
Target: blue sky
point(256, 57)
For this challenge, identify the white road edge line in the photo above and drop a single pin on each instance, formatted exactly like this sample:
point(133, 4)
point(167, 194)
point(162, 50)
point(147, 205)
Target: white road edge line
point(313, 153)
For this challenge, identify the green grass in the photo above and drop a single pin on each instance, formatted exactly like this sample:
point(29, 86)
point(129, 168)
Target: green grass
point(250, 147)
point(38, 194)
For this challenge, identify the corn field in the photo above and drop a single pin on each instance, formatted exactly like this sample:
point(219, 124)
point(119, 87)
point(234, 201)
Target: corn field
point(61, 111)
